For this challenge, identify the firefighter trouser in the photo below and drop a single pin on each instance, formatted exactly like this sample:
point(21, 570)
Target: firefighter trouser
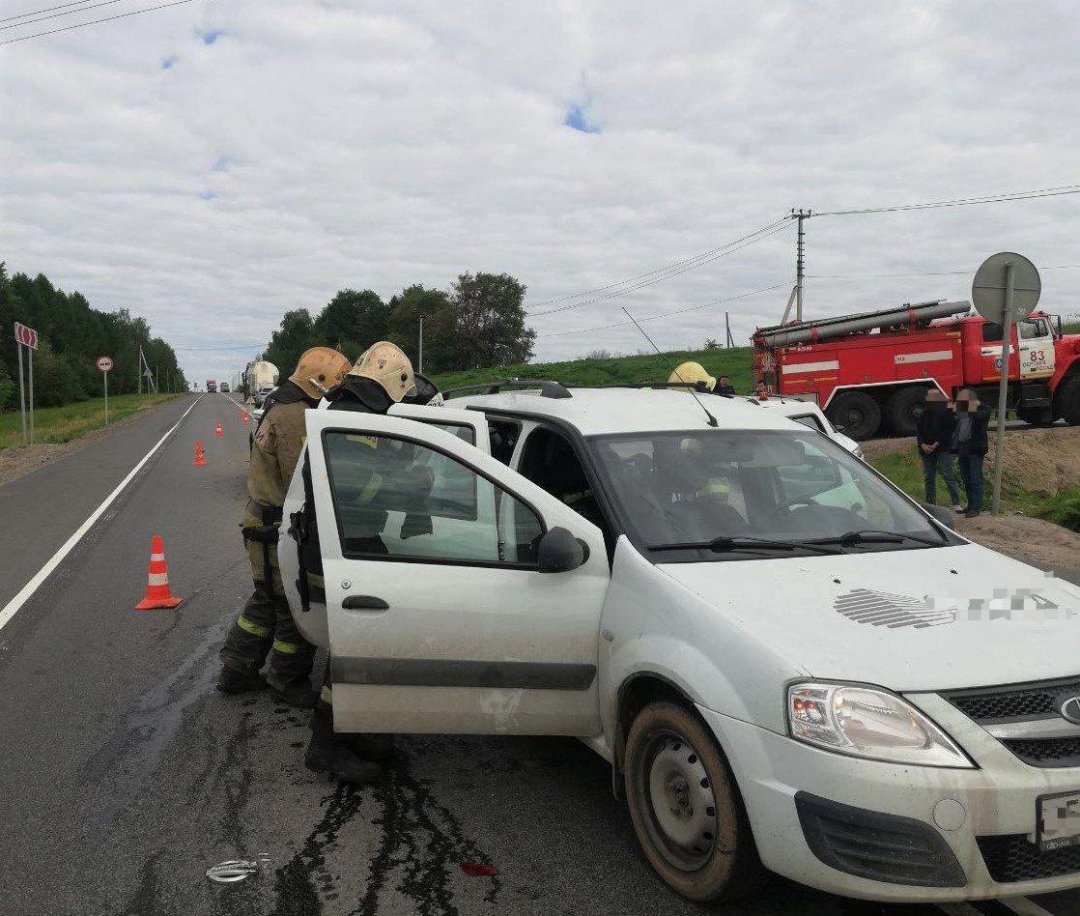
point(265, 626)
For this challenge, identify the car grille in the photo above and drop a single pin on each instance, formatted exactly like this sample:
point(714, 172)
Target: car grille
point(998, 708)
point(1014, 858)
point(1046, 752)
point(1004, 703)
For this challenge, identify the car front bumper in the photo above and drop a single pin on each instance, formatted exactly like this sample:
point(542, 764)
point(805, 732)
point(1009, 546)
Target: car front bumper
point(956, 808)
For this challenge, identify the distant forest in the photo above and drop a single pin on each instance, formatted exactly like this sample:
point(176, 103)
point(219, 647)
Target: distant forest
point(72, 335)
point(478, 322)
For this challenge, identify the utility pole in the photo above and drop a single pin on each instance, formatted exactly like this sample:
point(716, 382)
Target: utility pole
point(800, 261)
point(421, 360)
point(730, 343)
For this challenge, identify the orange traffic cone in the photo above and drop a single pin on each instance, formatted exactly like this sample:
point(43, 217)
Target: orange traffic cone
point(157, 586)
point(200, 455)
point(219, 430)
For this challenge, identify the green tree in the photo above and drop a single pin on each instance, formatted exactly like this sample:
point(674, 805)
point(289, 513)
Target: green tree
point(352, 321)
point(287, 344)
point(489, 321)
point(406, 310)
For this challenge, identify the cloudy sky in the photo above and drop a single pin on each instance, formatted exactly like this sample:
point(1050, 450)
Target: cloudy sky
point(211, 165)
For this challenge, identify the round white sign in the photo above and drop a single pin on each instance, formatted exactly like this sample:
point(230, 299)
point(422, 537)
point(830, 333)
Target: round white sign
point(104, 363)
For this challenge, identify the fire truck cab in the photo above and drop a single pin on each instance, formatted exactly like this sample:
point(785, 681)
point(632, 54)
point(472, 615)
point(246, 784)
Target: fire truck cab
point(870, 372)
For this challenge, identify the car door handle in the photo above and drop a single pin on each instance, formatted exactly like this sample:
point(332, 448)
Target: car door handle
point(364, 603)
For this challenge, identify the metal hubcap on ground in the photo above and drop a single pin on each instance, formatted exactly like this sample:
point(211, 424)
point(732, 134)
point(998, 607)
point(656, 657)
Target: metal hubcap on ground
point(681, 802)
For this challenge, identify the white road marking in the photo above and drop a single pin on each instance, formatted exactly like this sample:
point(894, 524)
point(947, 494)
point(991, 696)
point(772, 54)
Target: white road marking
point(16, 603)
point(1024, 906)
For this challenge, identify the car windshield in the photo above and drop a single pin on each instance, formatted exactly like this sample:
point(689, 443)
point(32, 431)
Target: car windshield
point(724, 494)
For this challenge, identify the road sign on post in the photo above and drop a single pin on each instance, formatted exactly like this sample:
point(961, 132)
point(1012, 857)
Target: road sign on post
point(104, 364)
point(26, 337)
point(1006, 290)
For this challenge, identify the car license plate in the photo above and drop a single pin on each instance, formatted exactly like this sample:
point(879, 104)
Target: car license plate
point(1058, 821)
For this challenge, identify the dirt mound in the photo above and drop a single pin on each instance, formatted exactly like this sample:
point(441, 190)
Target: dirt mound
point(1030, 540)
point(1044, 460)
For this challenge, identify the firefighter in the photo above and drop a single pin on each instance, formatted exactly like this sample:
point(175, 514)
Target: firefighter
point(265, 625)
point(692, 374)
point(382, 376)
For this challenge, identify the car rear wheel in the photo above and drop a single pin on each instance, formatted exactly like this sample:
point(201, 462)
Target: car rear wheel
point(855, 413)
point(686, 809)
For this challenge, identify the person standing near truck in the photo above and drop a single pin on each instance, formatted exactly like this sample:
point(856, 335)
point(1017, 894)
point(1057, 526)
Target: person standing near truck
point(934, 438)
point(972, 441)
point(265, 626)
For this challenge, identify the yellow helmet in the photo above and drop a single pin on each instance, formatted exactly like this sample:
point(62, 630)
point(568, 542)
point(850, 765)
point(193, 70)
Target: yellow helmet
point(388, 365)
point(691, 373)
point(320, 369)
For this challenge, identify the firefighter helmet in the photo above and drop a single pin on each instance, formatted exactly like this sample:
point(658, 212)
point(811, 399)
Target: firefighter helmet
point(388, 365)
point(318, 370)
point(692, 373)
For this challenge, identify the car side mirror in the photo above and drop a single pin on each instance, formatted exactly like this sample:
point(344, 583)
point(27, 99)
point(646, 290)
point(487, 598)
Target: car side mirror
point(560, 551)
point(943, 515)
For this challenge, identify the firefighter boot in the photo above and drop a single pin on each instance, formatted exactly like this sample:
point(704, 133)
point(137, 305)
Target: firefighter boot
point(328, 753)
point(296, 692)
point(233, 681)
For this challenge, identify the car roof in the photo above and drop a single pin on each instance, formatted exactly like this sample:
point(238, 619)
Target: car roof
point(603, 411)
point(790, 406)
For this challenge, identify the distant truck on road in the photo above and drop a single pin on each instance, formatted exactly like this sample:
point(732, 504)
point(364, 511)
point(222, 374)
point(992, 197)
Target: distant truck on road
point(260, 378)
point(211, 385)
point(870, 372)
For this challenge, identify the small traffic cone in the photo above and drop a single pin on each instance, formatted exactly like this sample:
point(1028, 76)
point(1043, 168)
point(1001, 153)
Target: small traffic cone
point(200, 455)
point(157, 586)
point(219, 430)
point(244, 417)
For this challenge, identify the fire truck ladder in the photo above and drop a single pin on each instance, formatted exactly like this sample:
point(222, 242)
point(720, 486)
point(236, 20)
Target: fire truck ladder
point(805, 332)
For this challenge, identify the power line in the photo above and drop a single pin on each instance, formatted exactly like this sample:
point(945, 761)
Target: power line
point(47, 9)
point(690, 308)
point(85, 9)
point(960, 201)
point(68, 28)
point(757, 237)
point(659, 270)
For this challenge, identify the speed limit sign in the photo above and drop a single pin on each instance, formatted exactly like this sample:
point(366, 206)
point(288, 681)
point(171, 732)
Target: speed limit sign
point(104, 364)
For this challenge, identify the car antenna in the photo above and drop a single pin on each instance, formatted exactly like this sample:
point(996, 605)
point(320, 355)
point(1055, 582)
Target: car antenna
point(690, 386)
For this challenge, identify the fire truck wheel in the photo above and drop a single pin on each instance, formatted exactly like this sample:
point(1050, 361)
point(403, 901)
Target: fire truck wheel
point(856, 413)
point(901, 409)
point(1068, 401)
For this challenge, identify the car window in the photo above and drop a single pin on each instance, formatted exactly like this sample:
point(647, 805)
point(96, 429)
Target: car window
point(399, 499)
point(809, 421)
point(791, 486)
point(504, 436)
point(991, 332)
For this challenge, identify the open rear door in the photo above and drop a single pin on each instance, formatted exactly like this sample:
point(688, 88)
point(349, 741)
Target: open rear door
point(439, 618)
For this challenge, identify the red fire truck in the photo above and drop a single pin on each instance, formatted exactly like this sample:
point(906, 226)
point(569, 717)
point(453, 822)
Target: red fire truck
point(870, 372)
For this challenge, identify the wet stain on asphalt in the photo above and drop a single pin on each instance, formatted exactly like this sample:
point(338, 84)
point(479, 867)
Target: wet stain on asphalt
point(421, 842)
point(146, 898)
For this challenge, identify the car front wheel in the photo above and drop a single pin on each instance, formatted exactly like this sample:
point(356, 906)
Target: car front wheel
point(686, 809)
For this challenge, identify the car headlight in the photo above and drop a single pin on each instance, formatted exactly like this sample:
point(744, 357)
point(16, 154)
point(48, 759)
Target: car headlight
point(865, 722)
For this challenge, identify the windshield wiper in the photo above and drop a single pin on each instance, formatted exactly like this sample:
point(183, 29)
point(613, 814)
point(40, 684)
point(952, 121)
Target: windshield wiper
point(724, 544)
point(872, 536)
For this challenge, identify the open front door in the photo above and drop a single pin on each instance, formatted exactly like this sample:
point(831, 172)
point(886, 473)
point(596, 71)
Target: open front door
point(439, 618)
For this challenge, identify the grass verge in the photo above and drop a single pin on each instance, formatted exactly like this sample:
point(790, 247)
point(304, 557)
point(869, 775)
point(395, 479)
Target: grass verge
point(62, 424)
point(905, 470)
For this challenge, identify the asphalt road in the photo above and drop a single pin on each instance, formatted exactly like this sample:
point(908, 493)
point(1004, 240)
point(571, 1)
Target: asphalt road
point(124, 775)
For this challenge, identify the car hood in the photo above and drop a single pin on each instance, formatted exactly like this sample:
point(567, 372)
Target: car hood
point(909, 620)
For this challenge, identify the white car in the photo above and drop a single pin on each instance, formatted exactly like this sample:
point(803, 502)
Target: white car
point(808, 414)
point(839, 689)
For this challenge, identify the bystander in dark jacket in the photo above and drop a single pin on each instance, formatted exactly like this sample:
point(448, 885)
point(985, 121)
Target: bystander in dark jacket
point(934, 431)
point(971, 441)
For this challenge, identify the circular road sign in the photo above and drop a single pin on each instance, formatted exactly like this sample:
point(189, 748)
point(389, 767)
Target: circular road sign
point(104, 363)
point(988, 290)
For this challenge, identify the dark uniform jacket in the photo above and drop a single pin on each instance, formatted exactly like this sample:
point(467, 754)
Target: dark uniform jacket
point(935, 425)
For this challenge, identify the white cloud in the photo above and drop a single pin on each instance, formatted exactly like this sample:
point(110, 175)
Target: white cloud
point(211, 184)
